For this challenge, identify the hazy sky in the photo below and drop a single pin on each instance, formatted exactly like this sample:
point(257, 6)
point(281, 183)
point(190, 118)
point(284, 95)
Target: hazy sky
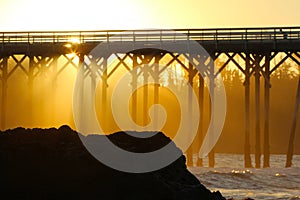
point(22, 15)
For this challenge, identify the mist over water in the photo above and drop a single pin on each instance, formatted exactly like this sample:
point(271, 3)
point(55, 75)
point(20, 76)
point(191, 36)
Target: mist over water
point(49, 105)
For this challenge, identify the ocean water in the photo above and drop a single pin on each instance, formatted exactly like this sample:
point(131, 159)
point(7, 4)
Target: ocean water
point(234, 181)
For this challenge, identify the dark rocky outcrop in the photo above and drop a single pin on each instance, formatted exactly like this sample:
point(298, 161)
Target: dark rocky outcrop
point(53, 164)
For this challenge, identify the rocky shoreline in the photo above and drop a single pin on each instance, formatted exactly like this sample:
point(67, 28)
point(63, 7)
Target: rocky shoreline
point(53, 164)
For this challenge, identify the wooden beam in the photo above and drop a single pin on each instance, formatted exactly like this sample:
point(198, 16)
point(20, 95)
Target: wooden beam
point(280, 63)
point(224, 65)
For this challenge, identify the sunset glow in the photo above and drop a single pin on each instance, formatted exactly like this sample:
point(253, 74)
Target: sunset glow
point(145, 99)
point(21, 15)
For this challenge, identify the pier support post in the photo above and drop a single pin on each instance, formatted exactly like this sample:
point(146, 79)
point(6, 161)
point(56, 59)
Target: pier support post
point(211, 155)
point(81, 64)
point(104, 94)
point(41, 113)
point(267, 112)
point(156, 90)
point(191, 75)
point(54, 89)
point(257, 111)
point(289, 156)
point(30, 89)
point(145, 88)
point(247, 157)
point(201, 122)
point(4, 78)
point(134, 85)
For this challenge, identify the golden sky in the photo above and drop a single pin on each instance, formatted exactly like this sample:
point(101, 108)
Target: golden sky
point(25, 15)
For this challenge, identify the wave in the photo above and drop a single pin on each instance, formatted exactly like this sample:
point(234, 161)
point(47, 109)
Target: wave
point(240, 183)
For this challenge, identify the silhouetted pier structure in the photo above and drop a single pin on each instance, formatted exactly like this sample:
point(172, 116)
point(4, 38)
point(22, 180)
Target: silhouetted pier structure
point(256, 46)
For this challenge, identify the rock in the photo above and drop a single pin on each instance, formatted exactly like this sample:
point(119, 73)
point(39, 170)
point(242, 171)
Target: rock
point(53, 164)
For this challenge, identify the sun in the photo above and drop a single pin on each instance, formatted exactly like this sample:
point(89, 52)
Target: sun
point(74, 40)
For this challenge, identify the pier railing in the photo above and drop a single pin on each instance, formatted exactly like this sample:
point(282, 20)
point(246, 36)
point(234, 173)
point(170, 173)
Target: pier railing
point(225, 34)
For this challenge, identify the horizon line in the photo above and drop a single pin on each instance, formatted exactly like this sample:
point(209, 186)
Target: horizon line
point(158, 29)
